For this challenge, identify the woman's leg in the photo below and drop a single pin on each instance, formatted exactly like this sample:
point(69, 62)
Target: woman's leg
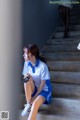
point(29, 89)
point(67, 18)
point(35, 106)
point(67, 12)
point(62, 13)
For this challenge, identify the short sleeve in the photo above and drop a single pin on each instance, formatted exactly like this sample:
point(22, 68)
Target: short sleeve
point(45, 73)
point(25, 68)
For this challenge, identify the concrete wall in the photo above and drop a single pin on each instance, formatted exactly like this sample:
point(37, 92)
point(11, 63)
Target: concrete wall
point(40, 18)
point(10, 56)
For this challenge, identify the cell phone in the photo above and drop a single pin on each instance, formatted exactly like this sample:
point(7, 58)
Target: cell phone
point(26, 79)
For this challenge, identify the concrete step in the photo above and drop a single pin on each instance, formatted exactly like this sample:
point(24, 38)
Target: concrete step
point(74, 13)
point(62, 56)
point(71, 28)
point(65, 77)
point(64, 65)
point(63, 41)
point(61, 106)
point(75, 17)
point(60, 79)
point(76, 6)
point(66, 90)
point(74, 22)
point(60, 47)
point(70, 34)
point(44, 115)
point(56, 117)
point(76, 9)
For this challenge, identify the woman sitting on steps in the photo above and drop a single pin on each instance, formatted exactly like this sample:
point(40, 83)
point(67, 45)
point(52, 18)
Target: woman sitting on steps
point(38, 88)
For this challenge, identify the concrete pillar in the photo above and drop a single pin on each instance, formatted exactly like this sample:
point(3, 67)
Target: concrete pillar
point(10, 56)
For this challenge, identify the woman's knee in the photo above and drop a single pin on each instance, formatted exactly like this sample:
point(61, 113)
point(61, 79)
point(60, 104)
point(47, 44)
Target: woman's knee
point(35, 104)
point(38, 101)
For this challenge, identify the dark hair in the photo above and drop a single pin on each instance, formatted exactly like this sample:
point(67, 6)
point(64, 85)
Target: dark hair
point(25, 47)
point(34, 50)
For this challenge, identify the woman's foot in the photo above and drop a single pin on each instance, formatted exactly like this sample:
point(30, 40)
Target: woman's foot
point(78, 47)
point(26, 109)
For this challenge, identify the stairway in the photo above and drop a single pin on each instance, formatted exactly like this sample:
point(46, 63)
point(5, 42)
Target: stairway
point(63, 59)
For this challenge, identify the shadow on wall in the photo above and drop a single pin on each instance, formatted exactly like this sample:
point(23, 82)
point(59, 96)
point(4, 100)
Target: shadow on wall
point(40, 18)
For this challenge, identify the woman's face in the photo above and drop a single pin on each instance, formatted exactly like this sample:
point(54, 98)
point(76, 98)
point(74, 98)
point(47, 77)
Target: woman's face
point(25, 54)
point(31, 57)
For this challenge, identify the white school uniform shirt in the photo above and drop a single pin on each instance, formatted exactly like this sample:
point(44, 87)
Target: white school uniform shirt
point(67, 3)
point(38, 73)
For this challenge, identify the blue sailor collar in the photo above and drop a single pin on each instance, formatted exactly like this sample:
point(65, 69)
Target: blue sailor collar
point(33, 67)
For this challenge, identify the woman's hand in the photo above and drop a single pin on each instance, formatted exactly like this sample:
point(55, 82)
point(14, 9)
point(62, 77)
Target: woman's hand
point(39, 90)
point(29, 75)
point(32, 99)
point(31, 79)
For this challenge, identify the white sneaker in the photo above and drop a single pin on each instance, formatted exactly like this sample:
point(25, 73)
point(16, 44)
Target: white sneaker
point(26, 109)
point(78, 47)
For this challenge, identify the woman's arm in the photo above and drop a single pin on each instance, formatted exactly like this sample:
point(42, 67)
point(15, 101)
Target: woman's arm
point(39, 90)
point(40, 87)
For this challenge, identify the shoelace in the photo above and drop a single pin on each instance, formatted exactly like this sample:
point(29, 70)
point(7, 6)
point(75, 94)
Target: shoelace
point(29, 108)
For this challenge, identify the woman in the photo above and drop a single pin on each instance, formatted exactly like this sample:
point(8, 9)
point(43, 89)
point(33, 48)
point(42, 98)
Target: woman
point(64, 10)
point(38, 88)
point(25, 67)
